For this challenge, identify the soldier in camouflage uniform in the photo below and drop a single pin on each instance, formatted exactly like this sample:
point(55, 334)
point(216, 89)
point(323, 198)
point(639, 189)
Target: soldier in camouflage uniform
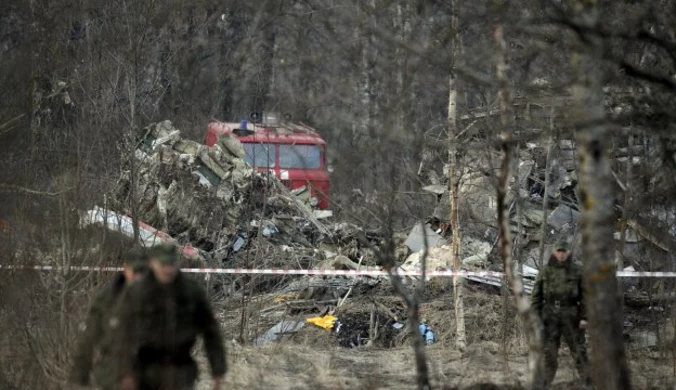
point(94, 351)
point(160, 318)
point(558, 300)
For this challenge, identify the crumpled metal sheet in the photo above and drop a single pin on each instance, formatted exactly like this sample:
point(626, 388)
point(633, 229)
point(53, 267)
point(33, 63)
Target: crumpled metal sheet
point(497, 281)
point(561, 216)
point(282, 327)
point(416, 238)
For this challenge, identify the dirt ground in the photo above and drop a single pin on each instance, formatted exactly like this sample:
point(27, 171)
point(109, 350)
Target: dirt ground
point(314, 358)
point(291, 366)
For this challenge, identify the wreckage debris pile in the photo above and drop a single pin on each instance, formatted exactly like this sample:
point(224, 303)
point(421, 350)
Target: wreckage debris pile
point(188, 190)
point(210, 197)
point(534, 181)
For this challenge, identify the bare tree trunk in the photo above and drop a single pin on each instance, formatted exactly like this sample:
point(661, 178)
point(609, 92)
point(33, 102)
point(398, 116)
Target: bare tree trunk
point(621, 254)
point(400, 20)
point(65, 256)
point(134, 184)
point(453, 188)
point(522, 301)
point(36, 73)
point(367, 77)
point(608, 358)
point(625, 205)
point(412, 301)
point(518, 205)
point(418, 346)
point(545, 198)
point(132, 94)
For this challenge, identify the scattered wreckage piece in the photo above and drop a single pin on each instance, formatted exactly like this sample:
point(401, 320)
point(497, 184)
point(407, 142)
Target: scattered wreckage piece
point(148, 235)
point(437, 258)
point(416, 239)
point(473, 251)
point(300, 206)
point(322, 214)
point(563, 217)
point(342, 262)
point(281, 328)
point(436, 189)
point(497, 281)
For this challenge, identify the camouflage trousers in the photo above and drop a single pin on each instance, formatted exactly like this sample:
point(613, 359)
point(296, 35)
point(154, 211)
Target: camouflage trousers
point(574, 337)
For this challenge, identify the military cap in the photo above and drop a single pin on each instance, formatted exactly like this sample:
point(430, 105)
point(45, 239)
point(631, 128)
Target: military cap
point(136, 258)
point(562, 245)
point(165, 253)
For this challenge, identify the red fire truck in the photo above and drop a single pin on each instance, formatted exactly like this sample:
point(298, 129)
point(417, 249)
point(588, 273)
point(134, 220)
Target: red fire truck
point(295, 153)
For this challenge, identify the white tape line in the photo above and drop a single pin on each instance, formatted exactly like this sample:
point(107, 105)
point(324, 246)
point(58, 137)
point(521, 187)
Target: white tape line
point(629, 274)
point(250, 271)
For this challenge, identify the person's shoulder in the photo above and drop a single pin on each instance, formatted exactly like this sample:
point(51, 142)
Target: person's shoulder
point(547, 269)
point(143, 285)
point(108, 293)
point(104, 298)
point(190, 283)
point(190, 286)
point(576, 266)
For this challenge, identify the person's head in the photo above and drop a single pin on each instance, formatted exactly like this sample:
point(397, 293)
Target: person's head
point(561, 251)
point(164, 262)
point(135, 264)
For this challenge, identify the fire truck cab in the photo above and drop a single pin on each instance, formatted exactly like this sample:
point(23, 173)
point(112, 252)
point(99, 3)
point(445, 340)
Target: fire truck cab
point(294, 153)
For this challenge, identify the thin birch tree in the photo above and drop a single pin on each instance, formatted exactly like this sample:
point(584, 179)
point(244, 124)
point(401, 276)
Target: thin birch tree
point(522, 301)
point(453, 175)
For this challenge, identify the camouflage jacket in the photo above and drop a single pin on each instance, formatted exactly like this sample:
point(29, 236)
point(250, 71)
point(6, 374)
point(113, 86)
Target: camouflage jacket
point(558, 291)
point(159, 324)
point(92, 347)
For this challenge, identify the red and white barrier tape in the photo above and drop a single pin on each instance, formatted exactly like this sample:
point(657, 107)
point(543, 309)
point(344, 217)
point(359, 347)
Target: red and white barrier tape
point(250, 271)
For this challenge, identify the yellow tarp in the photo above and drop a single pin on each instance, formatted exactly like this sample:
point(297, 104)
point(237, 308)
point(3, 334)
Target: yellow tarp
point(325, 322)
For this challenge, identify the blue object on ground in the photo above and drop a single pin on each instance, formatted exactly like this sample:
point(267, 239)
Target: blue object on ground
point(429, 337)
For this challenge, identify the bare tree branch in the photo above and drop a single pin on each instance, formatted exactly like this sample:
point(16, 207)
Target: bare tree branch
point(14, 188)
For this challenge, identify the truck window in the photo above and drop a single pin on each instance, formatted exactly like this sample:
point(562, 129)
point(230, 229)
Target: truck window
point(299, 156)
point(259, 155)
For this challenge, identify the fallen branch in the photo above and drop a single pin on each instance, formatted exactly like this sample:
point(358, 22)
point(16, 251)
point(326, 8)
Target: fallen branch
point(545, 198)
point(647, 235)
point(296, 305)
point(319, 282)
point(13, 188)
point(5, 127)
point(346, 262)
point(644, 300)
point(386, 310)
point(342, 302)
